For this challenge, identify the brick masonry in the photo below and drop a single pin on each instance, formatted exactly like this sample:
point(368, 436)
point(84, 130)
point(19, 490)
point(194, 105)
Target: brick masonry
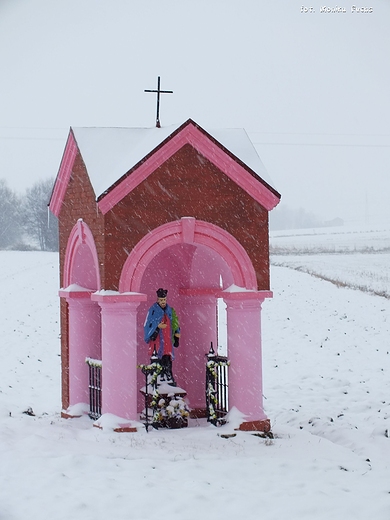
point(187, 185)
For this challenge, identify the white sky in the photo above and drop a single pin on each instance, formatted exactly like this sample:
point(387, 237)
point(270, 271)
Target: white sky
point(312, 90)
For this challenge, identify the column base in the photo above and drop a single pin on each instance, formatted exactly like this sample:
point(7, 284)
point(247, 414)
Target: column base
point(65, 415)
point(198, 413)
point(75, 411)
point(114, 423)
point(255, 426)
point(122, 429)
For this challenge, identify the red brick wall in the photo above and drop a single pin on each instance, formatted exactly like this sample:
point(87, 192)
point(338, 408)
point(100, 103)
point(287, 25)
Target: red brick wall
point(186, 185)
point(79, 202)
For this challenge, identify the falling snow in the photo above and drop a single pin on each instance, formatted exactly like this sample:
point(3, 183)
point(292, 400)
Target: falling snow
point(326, 369)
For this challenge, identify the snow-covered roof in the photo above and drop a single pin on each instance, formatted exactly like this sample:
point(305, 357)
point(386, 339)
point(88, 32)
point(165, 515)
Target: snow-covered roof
point(109, 153)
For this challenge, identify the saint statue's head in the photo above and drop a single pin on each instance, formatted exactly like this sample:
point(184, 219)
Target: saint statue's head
point(162, 297)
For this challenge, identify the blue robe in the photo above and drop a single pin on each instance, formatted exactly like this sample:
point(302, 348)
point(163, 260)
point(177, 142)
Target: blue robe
point(154, 317)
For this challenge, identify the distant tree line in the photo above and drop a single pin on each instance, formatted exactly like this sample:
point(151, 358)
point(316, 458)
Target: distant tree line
point(27, 224)
point(284, 217)
point(25, 221)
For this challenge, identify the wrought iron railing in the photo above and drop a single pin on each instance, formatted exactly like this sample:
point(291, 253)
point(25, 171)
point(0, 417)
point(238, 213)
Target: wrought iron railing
point(217, 382)
point(151, 373)
point(95, 387)
point(165, 405)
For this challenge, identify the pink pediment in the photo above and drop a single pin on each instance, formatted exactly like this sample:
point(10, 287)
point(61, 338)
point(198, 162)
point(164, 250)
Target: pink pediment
point(189, 133)
point(205, 144)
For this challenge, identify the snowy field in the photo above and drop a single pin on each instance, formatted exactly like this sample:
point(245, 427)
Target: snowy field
point(348, 257)
point(327, 393)
point(331, 240)
point(368, 272)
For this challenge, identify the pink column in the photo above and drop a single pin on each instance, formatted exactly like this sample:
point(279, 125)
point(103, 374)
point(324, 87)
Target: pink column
point(119, 353)
point(244, 353)
point(198, 329)
point(84, 341)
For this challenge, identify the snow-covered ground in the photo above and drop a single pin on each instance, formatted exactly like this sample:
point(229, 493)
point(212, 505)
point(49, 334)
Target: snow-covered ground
point(327, 393)
point(368, 272)
point(337, 239)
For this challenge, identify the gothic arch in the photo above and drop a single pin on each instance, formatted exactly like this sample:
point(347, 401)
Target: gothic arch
point(81, 265)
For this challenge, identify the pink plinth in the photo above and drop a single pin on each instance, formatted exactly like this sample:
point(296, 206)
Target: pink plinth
point(119, 353)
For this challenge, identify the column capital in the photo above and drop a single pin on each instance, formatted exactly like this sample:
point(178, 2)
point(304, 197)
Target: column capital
point(216, 292)
point(239, 293)
point(75, 292)
point(113, 297)
point(240, 299)
point(113, 302)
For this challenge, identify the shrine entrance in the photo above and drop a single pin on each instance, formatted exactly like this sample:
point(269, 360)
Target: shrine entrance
point(199, 264)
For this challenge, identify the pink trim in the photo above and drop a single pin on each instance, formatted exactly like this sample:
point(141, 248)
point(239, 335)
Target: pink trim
point(80, 234)
point(175, 233)
point(63, 176)
point(75, 295)
point(190, 134)
point(188, 229)
point(144, 252)
point(245, 296)
point(201, 291)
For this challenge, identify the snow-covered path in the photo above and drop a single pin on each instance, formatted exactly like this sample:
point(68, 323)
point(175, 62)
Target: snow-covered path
point(327, 389)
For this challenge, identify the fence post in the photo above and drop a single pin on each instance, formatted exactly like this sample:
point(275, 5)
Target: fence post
point(95, 387)
point(216, 387)
point(151, 372)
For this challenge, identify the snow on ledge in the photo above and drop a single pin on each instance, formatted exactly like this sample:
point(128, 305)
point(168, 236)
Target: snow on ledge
point(109, 292)
point(235, 288)
point(77, 410)
point(234, 418)
point(74, 287)
point(109, 296)
point(166, 389)
point(234, 292)
point(111, 422)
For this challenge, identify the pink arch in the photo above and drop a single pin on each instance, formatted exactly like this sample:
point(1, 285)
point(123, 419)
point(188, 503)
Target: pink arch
point(79, 236)
point(188, 230)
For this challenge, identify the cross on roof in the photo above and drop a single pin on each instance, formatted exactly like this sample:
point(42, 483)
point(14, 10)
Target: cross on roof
point(158, 92)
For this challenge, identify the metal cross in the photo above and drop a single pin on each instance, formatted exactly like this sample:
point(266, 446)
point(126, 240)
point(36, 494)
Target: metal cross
point(158, 92)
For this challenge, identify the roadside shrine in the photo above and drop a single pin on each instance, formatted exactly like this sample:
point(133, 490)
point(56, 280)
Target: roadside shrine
point(175, 207)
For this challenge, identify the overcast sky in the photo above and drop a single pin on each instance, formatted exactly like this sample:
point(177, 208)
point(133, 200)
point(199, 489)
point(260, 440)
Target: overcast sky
point(311, 89)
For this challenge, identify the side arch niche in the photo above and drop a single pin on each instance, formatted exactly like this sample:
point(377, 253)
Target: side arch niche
point(197, 262)
point(81, 265)
point(80, 279)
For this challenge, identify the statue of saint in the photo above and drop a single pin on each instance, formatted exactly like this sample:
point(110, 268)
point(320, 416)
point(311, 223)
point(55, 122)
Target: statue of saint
point(162, 332)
